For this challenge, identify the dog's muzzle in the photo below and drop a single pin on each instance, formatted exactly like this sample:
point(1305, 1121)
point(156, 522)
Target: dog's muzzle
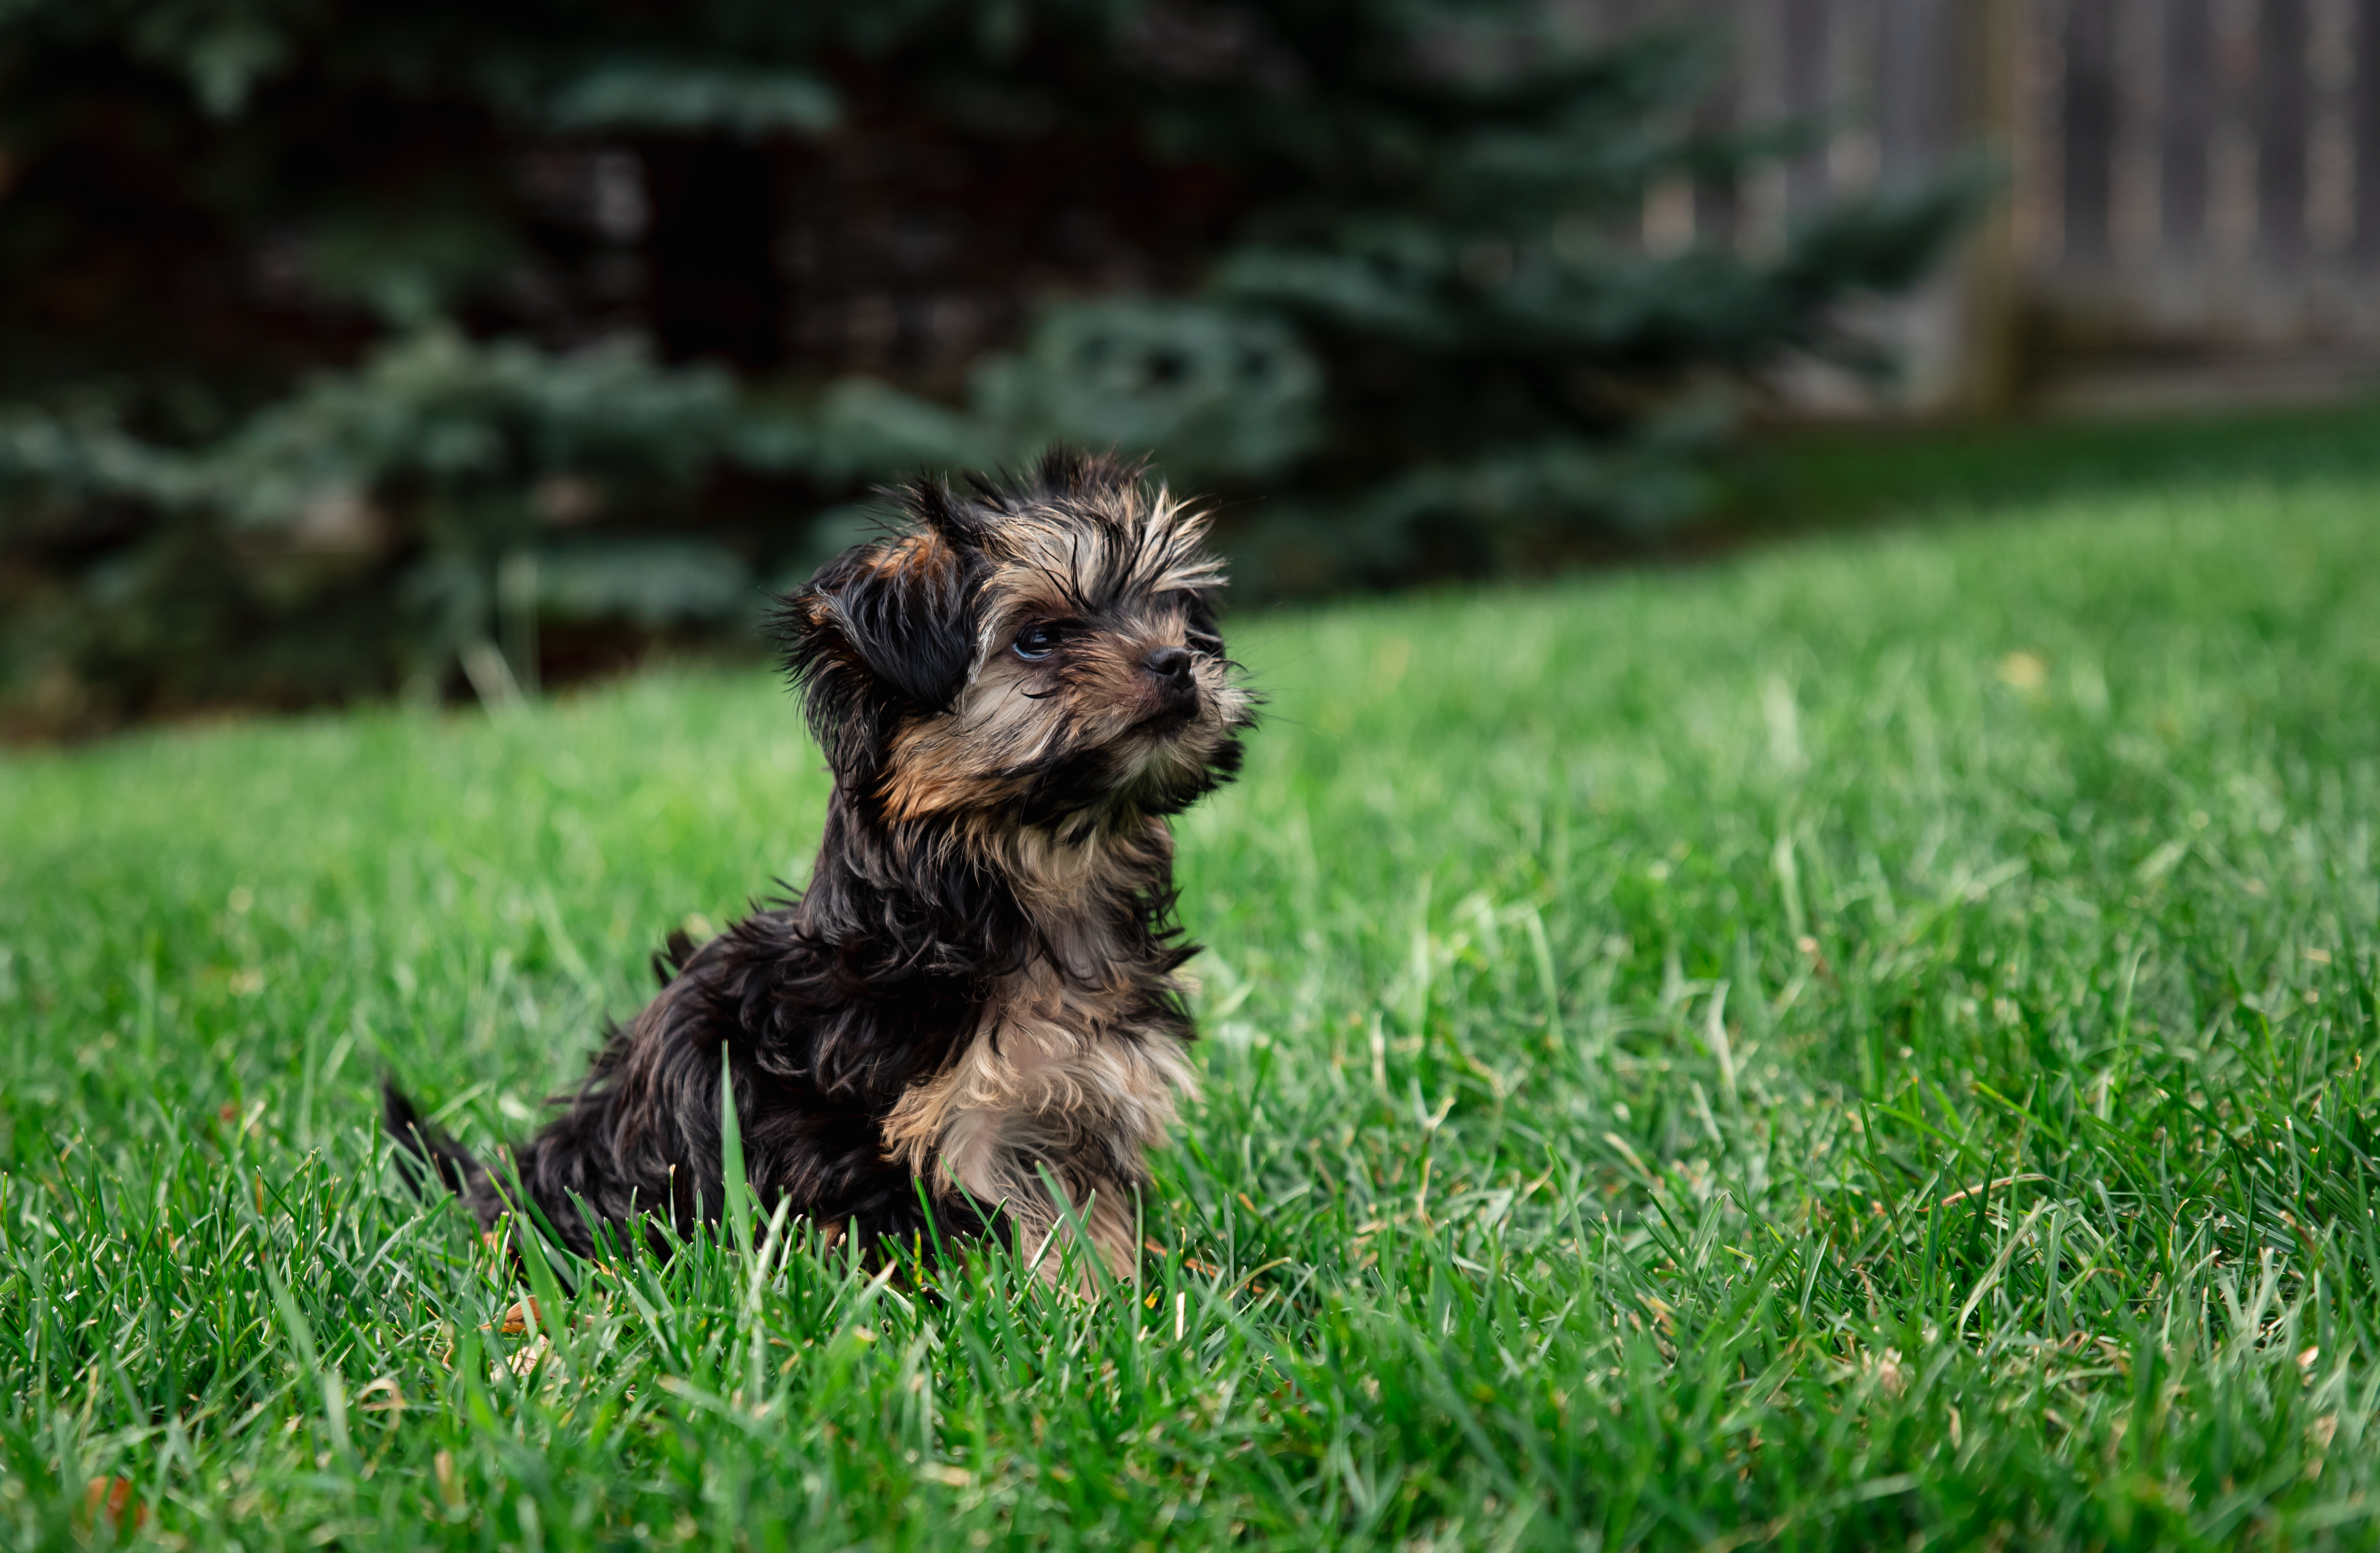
point(1173, 687)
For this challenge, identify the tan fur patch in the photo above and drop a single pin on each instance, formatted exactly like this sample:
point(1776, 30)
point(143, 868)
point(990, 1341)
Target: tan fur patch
point(1147, 544)
point(1055, 1071)
point(919, 551)
point(1047, 1072)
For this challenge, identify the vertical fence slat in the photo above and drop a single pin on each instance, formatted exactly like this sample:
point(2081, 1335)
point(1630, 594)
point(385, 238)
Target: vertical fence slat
point(2087, 129)
point(2186, 136)
point(1919, 93)
point(2363, 130)
point(2284, 110)
point(1714, 202)
point(1808, 96)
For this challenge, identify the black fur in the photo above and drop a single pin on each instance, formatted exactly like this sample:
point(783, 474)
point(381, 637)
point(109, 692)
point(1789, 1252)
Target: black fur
point(828, 1007)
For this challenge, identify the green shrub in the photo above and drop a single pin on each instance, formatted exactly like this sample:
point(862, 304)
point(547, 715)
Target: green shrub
point(296, 305)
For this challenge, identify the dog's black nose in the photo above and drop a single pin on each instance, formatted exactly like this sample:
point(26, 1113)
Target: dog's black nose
point(1171, 665)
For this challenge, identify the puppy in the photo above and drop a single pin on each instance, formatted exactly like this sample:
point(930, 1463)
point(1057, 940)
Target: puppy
point(976, 997)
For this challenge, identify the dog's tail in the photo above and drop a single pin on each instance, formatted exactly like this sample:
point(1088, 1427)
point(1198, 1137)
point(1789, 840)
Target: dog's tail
point(425, 1149)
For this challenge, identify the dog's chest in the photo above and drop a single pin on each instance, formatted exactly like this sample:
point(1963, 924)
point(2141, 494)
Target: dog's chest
point(1061, 1071)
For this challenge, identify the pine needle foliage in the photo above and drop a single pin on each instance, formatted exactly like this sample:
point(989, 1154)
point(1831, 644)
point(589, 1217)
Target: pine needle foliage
point(1371, 272)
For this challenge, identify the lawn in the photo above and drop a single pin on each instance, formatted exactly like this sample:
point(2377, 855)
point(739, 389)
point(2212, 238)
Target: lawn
point(1868, 1044)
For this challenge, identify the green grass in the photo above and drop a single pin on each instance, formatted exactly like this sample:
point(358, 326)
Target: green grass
point(1871, 1045)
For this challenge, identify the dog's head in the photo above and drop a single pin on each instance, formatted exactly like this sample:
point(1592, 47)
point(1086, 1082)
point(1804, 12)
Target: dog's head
point(1045, 649)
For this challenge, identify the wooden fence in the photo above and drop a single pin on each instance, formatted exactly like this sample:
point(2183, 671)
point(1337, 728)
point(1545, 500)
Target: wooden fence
point(2193, 205)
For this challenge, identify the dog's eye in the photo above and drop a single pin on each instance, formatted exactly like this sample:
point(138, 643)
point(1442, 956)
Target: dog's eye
point(1038, 641)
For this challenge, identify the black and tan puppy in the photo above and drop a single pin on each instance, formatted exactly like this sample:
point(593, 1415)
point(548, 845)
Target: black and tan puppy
point(976, 993)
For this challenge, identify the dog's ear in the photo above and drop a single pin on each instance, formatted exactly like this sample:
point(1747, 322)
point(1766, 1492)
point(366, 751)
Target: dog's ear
point(884, 631)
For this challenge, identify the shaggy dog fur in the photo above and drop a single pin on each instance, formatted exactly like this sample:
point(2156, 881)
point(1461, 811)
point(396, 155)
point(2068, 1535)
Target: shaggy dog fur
point(977, 993)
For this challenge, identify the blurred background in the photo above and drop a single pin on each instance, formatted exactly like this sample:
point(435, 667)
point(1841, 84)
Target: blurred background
point(453, 351)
